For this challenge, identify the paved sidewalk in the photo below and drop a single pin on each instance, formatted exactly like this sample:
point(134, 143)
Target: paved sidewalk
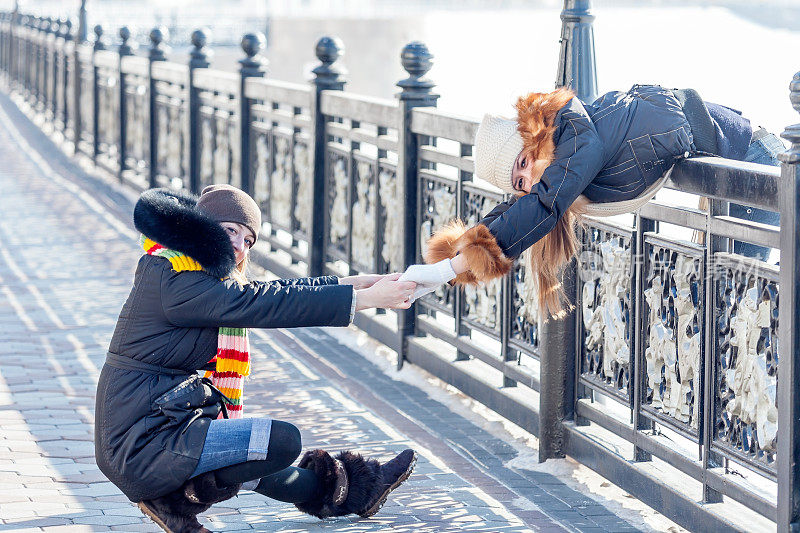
point(67, 255)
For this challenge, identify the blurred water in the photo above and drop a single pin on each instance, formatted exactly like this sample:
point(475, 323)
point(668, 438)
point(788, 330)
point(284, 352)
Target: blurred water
point(484, 59)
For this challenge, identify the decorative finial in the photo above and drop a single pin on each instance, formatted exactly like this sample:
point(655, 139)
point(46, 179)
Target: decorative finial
point(329, 74)
point(254, 64)
point(794, 92)
point(417, 61)
point(329, 49)
point(157, 46)
point(200, 55)
point(200, 37)
point(158, 35)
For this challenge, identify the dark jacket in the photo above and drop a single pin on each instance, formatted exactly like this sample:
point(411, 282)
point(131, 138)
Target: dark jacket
point(148, 433)
point(610, 150)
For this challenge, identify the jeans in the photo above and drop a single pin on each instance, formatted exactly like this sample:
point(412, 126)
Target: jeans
point(764, 149)
point(258, 452)
point(232, 441)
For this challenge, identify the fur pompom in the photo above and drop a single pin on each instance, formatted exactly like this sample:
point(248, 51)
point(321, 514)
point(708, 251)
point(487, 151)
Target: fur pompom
point(171, 218)
point(442, 245)
point(203, 489)
point(484, 256)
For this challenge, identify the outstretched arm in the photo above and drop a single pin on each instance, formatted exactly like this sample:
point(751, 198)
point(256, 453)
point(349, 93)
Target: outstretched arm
point(488, 249)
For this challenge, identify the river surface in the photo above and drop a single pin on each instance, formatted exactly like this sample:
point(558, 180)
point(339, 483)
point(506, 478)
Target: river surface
point(484, 59)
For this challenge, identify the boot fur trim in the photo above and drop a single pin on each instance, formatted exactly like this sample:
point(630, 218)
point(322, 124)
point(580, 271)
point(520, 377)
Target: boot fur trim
point(364, 483)
point(203, 489)
point(484, 256)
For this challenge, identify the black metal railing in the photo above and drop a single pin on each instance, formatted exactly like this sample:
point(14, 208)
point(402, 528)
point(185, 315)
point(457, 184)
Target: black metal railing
point(664, 378)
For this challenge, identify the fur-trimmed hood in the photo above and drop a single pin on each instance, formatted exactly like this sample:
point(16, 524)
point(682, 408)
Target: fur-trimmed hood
point(171, 218)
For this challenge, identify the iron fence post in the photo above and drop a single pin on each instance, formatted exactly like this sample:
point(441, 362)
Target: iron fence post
point(47, 26)
point(77, 70)
point(55, 29)
point(714, 244)
point(327, 76)
point(98, 45)
point(12, 43)
point(36, 59)
point(557, 374)
point(198, 58)
point(123, 50)
point(252, 66)
point(3, 41)
point(415, 92)
point(30, 54)
point(67, 37)
point(788, 461)
point(637, 376)
point(23, 23)
point(576, 62)
point(156, 53)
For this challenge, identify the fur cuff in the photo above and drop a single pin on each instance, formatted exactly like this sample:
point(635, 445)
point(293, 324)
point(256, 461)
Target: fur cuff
point(364, 483)
point(484, 256)
point(203, 489)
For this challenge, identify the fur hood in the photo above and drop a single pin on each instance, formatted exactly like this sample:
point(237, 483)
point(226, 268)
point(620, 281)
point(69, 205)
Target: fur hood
point(172, 219)
point(536, 115)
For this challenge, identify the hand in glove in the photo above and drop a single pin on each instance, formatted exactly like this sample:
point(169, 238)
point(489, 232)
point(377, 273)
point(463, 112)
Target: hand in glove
point(428, 277)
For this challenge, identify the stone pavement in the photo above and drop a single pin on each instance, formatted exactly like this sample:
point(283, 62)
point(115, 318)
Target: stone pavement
point(67, 255)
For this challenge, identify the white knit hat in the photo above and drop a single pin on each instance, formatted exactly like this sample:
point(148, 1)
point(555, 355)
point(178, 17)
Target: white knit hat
point(497, 145)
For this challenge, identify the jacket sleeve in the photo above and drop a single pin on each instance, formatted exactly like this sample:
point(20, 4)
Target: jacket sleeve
point(577, 159)
point(310, 282)
point(498, 210)
point(195, 299)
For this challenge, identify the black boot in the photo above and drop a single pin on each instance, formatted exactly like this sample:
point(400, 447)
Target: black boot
point(393, 473)
point(177, 511)
point(174, 513)
point(368, 483)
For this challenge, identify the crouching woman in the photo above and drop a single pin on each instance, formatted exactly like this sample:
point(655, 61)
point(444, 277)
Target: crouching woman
point(175, 442)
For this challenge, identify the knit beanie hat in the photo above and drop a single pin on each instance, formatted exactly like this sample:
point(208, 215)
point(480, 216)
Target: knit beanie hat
point(497, 145)
point(226, 203)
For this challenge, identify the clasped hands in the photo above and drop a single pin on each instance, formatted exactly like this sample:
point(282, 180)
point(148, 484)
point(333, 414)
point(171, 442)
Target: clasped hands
point(428, 277)
point(399, 291)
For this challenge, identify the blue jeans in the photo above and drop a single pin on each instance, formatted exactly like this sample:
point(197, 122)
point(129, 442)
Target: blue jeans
point(764, 149)
point(232, 441)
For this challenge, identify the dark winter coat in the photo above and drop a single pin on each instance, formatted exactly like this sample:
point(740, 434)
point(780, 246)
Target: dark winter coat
point(149, 432)
point(612, 150)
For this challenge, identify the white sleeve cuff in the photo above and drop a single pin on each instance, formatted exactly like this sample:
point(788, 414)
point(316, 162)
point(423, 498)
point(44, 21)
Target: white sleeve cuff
point(353, 307)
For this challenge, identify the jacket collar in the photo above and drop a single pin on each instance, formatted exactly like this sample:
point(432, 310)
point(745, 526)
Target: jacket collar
point(171, 218)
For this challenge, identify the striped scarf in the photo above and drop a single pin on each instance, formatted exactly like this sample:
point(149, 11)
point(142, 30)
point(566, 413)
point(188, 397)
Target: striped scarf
point(232, 361)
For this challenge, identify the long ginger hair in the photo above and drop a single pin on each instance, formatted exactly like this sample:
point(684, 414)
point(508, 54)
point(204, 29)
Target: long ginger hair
point(536, 114)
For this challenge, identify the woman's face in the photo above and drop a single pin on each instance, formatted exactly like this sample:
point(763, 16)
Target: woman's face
point(241, 239)
point(527, 171)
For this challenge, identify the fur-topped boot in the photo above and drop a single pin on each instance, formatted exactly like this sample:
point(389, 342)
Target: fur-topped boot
point(350, 484)
point(177, 511)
